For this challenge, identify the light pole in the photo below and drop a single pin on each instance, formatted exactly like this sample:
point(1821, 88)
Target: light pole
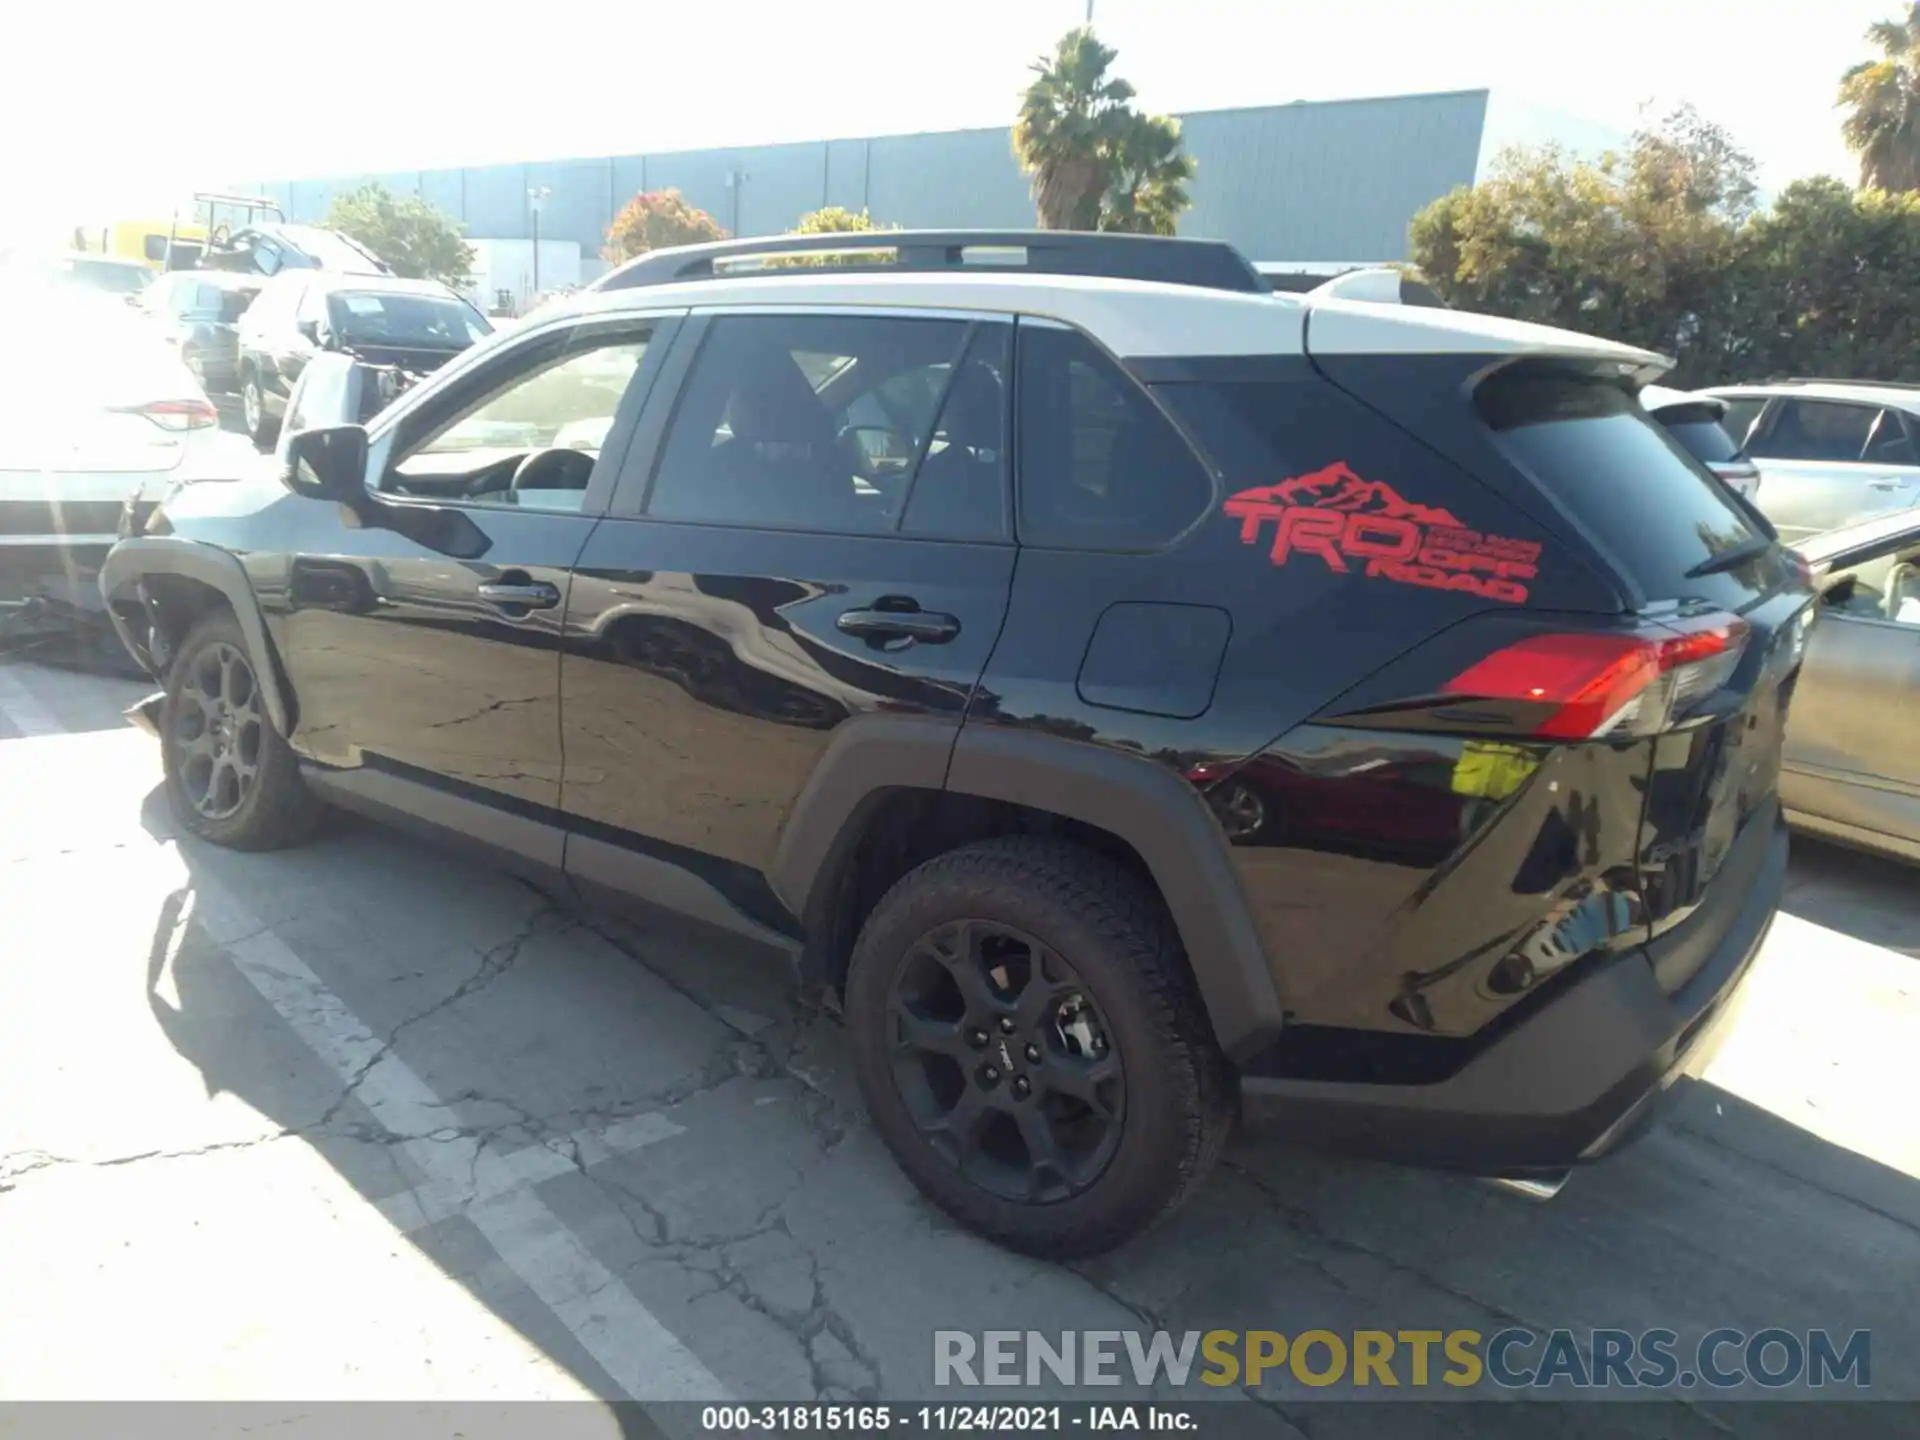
point(537, 196)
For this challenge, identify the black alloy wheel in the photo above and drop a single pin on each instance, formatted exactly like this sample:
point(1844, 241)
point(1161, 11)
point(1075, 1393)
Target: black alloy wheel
point(1004, 1062)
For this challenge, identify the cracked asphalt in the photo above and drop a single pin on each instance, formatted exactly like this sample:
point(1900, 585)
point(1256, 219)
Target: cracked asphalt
point(371, 1120)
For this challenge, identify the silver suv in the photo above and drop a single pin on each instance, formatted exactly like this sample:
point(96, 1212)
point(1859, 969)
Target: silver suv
point(1829, 452)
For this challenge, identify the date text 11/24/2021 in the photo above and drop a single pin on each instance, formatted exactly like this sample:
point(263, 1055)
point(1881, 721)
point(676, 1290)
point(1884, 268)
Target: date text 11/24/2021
point(877, 1419)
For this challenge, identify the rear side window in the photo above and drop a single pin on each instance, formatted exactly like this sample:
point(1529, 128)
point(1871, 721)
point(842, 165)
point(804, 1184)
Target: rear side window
point(1100, 467)
point(1818, 430)
point(1659, 513)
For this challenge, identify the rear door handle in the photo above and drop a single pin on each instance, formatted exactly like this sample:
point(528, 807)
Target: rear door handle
point(1888, 482)
point(530, 594)
point(900, 626)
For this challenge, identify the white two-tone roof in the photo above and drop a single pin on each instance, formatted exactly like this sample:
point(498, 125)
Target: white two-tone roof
point(1137, 319)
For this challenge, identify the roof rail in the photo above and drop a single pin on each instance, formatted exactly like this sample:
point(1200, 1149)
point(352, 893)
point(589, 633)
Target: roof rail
point(1831, 380)
point(1208, 264)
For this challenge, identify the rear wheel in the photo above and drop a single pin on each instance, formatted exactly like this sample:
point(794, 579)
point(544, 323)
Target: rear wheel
point(230, 777)
point(1031, 1046)
point(253, 410)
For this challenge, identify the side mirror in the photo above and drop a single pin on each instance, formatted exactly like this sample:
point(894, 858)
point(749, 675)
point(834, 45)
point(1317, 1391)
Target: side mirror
point(329, 463)
point(333, 389)
point(310, 329)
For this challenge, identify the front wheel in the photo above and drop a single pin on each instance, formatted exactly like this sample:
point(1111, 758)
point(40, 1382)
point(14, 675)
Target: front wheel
point(230, 777)
point(1032, 1047)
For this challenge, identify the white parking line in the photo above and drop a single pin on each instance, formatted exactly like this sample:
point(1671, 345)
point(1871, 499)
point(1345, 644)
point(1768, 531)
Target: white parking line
point(23, 709)
point(463, 1175)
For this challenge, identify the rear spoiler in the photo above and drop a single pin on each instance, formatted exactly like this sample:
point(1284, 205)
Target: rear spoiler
point(1379, 285)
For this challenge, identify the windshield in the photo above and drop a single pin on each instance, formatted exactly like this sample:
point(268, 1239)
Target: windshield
point(324, 249)
point(427, 321)
point(107, 275)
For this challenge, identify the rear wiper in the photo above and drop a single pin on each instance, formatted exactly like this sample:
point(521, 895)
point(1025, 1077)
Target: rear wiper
point(1739, 555)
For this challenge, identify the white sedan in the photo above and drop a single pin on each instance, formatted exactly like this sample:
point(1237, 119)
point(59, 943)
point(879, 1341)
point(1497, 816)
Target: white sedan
point(94, 410)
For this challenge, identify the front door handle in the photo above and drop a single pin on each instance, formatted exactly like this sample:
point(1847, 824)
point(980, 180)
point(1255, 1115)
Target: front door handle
point(528, 594)
point(894, 628)
point(1887, 482)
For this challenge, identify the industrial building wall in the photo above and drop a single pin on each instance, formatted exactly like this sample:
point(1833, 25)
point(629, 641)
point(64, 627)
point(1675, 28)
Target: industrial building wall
point(1307, 181)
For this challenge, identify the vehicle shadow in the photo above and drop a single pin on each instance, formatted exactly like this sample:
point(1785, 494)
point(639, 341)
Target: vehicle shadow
point(1724, 1215)
point(1870, 897)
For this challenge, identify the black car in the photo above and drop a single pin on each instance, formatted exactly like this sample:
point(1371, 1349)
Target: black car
point(199, 312)
point(409, 327)
point(929, 618)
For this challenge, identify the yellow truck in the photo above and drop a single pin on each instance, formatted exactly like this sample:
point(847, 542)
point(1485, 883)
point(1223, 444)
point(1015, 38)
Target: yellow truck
point(179, 241)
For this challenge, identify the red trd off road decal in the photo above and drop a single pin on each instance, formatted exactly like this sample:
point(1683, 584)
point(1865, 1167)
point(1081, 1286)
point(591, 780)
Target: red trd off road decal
point(1352, 523)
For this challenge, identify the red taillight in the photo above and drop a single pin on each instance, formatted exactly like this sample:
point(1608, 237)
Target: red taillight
point(177, 414)
point(1597, 684)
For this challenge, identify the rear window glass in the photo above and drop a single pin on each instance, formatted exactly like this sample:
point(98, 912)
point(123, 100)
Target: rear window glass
point(1704, 439)
point(1655, 508)
point(1100, 467)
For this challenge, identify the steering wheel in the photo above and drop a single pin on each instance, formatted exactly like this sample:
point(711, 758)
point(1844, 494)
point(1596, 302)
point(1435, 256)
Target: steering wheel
point(556, 469)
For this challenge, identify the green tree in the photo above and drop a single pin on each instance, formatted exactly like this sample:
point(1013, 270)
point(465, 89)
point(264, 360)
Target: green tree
point(835, 220)
point(656, 220)
point(414, 237)
point(1660, 246)
point(1832, 284)
point(1095, 162)
point(1147, 191)
point(1882, 101)
point(1640, 246)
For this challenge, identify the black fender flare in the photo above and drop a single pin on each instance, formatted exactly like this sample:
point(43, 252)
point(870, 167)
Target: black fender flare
point(1139, 800)
point(1165, 820)
point(132, 560)
point(867, 756)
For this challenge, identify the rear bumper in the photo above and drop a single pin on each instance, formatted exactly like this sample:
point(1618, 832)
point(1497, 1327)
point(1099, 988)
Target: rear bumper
point(1571, 1081)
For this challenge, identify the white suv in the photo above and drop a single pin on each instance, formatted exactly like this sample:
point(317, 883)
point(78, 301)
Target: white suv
point(1829, 452)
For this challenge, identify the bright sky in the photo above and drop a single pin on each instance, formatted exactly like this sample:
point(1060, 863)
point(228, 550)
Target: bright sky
point(120, 105)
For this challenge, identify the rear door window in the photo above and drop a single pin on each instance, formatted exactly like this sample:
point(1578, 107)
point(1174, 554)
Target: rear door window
point(847, 424)
point(1817, 430)
point(1656, 510)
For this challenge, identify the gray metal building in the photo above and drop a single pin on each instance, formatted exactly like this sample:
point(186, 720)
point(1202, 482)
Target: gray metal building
point(1327, 180)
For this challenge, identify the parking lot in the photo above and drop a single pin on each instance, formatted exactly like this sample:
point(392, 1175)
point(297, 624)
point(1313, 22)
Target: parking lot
point(370, 1121)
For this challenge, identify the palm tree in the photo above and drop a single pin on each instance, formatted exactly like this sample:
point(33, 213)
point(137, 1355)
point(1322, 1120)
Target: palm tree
point(1148, 188)
point(1072, 118)
point(1882, 98)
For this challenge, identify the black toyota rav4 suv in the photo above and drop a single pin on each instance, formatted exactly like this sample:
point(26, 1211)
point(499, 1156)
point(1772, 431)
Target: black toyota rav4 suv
point(1134, 697)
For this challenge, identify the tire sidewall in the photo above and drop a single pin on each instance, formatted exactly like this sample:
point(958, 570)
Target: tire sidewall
point(253, 408)
point(275, 760)
point(1144, 1173)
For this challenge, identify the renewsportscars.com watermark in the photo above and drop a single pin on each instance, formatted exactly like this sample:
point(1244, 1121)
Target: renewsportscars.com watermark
point(1514, 1358)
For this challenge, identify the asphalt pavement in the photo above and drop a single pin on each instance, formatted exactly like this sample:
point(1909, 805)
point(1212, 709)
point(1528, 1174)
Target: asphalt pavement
point(369, 1120)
